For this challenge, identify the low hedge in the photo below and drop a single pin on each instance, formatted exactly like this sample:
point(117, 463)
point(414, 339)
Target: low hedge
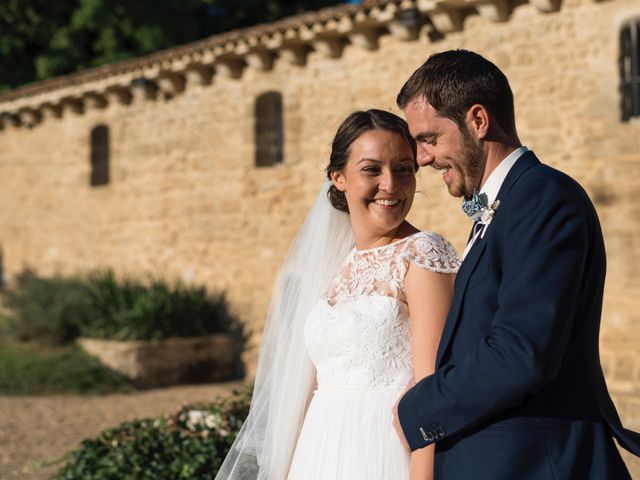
point(189, 444)
point(57, 310)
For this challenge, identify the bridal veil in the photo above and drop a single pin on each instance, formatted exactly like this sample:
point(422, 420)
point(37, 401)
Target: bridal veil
point(285, 376)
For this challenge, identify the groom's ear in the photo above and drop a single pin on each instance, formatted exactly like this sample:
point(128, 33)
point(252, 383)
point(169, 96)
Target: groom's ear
point(478, 120)
point(338, 180)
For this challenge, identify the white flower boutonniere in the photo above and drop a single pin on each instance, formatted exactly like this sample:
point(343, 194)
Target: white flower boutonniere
point(486, 216)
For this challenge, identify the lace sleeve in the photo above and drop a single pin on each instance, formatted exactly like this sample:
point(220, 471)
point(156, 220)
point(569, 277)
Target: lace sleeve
point(431, 251)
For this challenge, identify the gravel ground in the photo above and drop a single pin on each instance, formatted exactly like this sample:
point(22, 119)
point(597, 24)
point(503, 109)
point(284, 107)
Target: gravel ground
point(37, 431)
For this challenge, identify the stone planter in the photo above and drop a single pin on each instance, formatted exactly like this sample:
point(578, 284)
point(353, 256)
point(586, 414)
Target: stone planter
point(168, 362)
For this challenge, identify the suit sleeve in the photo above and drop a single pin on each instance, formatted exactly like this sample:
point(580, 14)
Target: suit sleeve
point(544, 248)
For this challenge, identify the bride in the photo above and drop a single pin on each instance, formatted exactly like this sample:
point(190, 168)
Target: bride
point(356, 317)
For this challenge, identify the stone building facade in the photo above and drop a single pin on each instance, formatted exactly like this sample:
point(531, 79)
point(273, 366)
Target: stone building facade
point(150, 165)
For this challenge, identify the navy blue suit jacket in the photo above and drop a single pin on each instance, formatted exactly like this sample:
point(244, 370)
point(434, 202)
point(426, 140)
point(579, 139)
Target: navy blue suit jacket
point(519, 392)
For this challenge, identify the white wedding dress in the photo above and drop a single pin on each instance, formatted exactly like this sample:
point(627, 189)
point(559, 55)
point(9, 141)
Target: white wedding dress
point(359, 340)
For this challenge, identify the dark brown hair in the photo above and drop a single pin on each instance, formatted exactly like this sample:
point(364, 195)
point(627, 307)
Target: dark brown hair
point(349, 131)
point(454, 80)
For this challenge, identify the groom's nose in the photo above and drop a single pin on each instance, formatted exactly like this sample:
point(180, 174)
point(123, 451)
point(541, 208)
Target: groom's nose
point(425, 158)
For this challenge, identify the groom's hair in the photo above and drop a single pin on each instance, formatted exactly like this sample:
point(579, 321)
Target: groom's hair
point(454, 80)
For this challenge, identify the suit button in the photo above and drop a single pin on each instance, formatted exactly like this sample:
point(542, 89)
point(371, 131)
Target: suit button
point(440, 431)
point(430, 437)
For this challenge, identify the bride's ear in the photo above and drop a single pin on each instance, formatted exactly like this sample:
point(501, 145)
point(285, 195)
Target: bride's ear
point(338, 180)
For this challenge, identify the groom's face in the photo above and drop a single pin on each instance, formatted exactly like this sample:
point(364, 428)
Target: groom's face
point(443, 146)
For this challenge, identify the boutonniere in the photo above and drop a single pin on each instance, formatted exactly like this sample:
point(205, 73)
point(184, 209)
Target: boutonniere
point(486, 216)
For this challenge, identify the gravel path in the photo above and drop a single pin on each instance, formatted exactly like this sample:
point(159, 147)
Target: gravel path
point(36, 431)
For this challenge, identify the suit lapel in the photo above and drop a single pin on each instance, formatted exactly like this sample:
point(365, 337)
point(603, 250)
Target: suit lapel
point(462, 279)
point(525, 162)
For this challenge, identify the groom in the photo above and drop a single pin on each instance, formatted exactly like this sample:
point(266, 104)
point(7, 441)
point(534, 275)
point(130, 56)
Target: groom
point(518, 392)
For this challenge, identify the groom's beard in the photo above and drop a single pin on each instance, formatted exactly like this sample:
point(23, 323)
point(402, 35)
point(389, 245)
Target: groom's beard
point(472, 164)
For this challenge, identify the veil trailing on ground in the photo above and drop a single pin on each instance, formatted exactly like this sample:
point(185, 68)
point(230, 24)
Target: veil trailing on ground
point(285, 375)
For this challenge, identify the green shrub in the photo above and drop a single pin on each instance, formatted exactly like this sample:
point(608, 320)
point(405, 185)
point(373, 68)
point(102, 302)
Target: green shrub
point(57, 310)
point(51, 310)
point(27, 369)
point(189, 444)
point(133, 310)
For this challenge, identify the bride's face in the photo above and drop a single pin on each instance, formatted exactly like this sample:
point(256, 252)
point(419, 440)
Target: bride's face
point(379, 181)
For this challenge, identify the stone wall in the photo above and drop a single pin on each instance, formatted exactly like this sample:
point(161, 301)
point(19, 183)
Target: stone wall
point(185, 200)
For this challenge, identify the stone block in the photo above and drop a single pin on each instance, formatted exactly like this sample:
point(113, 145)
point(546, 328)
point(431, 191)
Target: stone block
point(168, 362)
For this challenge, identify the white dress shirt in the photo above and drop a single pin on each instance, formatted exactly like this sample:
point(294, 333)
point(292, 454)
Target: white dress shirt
point(492, 186)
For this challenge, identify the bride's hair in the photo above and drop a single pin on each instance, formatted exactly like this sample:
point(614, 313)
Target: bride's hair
point(349, 131)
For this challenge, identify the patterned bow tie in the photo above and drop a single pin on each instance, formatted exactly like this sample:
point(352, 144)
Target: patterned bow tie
point(477, 204)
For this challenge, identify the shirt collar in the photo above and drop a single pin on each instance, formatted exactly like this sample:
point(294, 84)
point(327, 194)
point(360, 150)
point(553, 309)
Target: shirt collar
point(492, 186)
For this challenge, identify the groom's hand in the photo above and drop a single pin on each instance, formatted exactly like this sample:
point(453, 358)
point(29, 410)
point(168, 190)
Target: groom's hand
point(396, 419)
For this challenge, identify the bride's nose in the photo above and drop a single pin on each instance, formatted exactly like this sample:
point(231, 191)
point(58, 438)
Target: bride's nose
point(387, 182)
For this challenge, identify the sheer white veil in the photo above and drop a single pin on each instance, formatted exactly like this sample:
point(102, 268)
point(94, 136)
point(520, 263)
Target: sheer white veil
point(285, 375)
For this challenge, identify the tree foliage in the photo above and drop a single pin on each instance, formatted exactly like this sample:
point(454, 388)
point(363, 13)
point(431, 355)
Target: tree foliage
point(40, 39)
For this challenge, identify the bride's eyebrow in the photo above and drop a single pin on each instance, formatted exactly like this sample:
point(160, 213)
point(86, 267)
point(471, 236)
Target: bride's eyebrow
point(366, 159)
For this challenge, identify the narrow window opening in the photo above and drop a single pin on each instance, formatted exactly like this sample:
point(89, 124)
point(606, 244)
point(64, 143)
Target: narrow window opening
point(269, 130)
point(629, 63)
point(100, 155)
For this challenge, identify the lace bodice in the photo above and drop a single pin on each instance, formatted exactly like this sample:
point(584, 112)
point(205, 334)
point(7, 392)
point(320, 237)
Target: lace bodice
point(359, 336)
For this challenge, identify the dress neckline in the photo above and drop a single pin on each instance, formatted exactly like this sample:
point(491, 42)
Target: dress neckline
point(367, 250)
